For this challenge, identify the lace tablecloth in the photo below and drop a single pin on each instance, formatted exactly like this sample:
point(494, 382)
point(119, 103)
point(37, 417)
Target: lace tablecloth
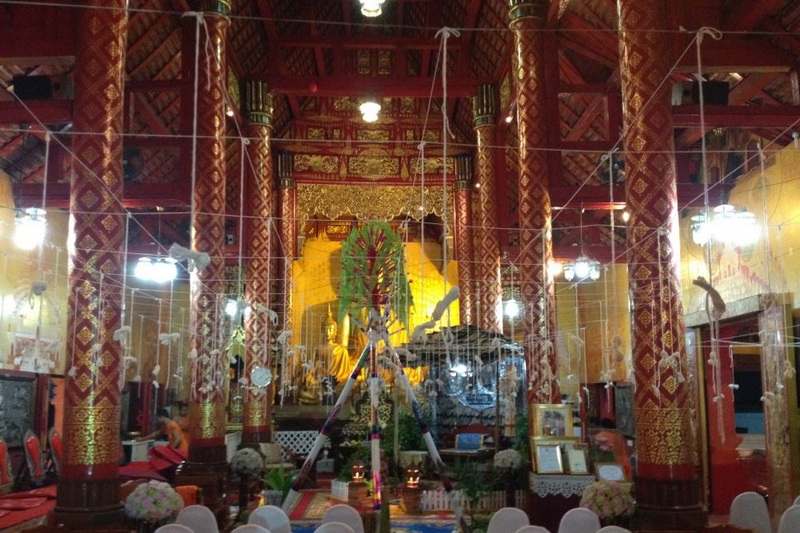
point(544, 485)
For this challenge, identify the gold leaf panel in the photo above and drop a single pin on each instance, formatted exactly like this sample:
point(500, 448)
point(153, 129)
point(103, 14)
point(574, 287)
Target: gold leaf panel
point(367, 202)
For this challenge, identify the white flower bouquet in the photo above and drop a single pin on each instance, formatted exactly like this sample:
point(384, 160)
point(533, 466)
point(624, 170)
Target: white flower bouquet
point(610, 500)
point(508, 459)
point(154, 502)
point(247, 463)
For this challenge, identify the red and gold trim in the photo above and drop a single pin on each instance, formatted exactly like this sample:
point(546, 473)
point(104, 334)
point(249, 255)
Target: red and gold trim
point(88, 480)
point(465, 252)
point(535, 231)
point(487, 238)
point(664, 437)
point(257, 406)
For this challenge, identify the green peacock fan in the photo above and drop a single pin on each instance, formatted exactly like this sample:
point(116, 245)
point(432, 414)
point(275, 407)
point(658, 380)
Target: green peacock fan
point(373, 272)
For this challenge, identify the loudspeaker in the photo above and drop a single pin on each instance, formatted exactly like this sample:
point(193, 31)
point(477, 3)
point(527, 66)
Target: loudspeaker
point(33, 87)
point(714, 92)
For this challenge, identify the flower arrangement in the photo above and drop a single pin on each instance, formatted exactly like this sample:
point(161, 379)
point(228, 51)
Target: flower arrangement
point(247, 463)
point(154, 502)
point(508, 459)
point(610, 500)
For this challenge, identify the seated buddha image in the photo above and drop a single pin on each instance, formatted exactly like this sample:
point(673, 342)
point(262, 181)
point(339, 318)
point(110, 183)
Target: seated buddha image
point(329, 359)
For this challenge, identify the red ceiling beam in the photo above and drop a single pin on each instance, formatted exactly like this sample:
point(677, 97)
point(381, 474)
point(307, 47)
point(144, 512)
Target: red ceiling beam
point(333, 86)
point(688, 116)
point(46, 112)
point(136, 195)
point(738, 54)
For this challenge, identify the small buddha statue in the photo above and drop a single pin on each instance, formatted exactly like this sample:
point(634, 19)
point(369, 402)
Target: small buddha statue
point(330, 359)
point(335, 352)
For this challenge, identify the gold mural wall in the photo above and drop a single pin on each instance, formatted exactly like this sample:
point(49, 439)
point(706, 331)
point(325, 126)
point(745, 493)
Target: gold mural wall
point(594, 322)
point(767, 265)
point(24, 310)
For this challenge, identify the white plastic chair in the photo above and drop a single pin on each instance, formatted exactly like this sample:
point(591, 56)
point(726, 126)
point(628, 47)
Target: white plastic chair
point(173, 528)
point(250, 528)
point(334, 527)
point(506, 520)
point(198, 518)
point(749, 511)
point(271, 517)
point(345, 514)
point(533, 529)
point(613, 529)
point(579, 520)
point(790, 520)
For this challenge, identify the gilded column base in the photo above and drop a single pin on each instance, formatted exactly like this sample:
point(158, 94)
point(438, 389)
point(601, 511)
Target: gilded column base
point(207, 468)
point(669, 505)
point(84, 505)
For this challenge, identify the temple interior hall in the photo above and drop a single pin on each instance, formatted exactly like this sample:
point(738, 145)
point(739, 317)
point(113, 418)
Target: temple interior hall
point(426, 258)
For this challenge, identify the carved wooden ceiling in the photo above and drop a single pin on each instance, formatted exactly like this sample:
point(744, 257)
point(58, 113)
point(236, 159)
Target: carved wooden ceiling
point(320, 58)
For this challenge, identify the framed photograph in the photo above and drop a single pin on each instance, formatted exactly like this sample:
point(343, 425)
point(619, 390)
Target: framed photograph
point(552, 420)
point(576, 461)
point(548, 459)
point(623, 403)
point(609, 472)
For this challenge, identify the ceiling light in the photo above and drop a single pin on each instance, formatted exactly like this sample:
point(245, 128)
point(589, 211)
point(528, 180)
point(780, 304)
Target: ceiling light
point(727, 224)
point(583, 268)
point(29, 228)
point(157, 270)
point(369, 111)
point(371, 8)
point(511, 309)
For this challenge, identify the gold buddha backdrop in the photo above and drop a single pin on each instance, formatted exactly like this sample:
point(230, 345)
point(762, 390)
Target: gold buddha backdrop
point(328, 344)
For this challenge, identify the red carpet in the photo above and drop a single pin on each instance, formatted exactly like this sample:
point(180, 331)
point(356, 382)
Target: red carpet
point(301, 506)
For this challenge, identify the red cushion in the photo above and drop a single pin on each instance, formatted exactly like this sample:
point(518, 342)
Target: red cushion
point(55, 444)
point(5, 467)
point(35, 455)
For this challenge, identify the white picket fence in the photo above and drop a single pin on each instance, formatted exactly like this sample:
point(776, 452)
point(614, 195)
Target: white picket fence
point(439, 500)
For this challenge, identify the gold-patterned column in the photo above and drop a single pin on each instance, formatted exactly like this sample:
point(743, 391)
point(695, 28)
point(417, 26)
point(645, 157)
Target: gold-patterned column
point(258, 327)
point(88, 484)
point(465, 252)
point(667, 488)
point(488, 288)
point(287, 227)
point(535, 232)
point(204, 94)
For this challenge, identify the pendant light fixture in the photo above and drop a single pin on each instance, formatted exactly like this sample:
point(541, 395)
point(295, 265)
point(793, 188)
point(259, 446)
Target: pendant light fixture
point(369, 111)
point(583, 267)
point(371, 8)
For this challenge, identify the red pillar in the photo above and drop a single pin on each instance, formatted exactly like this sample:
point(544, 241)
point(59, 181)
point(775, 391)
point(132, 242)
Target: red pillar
point(465, 252)
point(203, 94)
point(667, 488)
point(258, 327)
point(535, 232)
point(287, 228)
point(88, 485)
point(487, 268)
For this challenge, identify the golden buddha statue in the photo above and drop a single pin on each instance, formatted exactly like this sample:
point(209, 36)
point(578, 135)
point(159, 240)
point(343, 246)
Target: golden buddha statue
point(330, 359)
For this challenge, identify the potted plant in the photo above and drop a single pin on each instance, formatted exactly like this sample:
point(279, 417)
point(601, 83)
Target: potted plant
point(279, 483)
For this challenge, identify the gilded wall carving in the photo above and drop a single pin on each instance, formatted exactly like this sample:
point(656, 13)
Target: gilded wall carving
point(364, 202)
point(325, 164)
